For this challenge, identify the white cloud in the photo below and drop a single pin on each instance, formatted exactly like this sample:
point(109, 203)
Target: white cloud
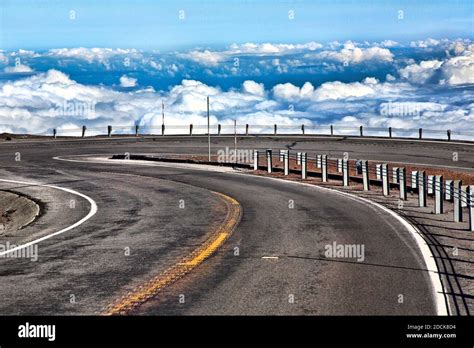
point(459, 70)
point(252, 87)
point(126, 81)
point(426, 43)
point(420, 73)
point(389, 43)
point(18, 68)
point(350, 53)
point(92, 54)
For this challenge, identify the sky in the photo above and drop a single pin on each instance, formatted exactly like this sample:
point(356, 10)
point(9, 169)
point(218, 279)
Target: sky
point(400, 64)
point(160, 25)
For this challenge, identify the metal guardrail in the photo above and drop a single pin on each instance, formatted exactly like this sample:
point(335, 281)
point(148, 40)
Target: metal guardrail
point(275, 129)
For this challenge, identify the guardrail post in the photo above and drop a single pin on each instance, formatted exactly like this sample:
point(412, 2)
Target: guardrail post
point(448, 191)
point(395, 174)
point(298, 158)
point(345, 172)
point(304, 165)
point(365, 175)
point(430, 185)
point(191, 129)
point(385, 180)
point(439, 193)
point(361, 128)
point(162, 129)
point(54, 133)
point(274, 129)
point(255, 160)
point(378, 171)
point(84, 131)
point(109, 131)
point(339, 165)
point(269, 160)
point(246, 129)
point(420, 133)
point(281, 156)
point(421, 188)
point(414, 179)
point(332, 130)
point(302, 129)
point(457, 199)
point(318, 161)
point(389, 132)
point(286, 159)
point(402, 183)
point(449, 134)
point(137, 130)
point(324, 168)
point(463, 196)
point(470, 201)
point(219, 129)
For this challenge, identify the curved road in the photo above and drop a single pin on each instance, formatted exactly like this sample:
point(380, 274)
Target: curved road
point(149, 217)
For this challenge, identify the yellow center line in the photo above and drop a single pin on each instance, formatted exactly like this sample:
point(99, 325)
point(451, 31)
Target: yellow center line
point(177, 271)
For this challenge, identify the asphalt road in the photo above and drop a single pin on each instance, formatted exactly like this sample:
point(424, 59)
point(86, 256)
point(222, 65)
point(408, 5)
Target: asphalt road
point(273, 263)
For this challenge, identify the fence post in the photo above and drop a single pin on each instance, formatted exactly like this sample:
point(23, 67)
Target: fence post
point(470, 205)
point(389, 132)
point(246, 129)
point(414, 179)
point(402, 183)
point(109, 131)
point(281, 156)
point(361, 131)
point(339, 165)
point(420, 133)
point(324, 168)
point(332, 130)
point(318, 161)
point(448, 193)
point(269, 160)
point(439, 193)
point(449, 134)
point(54, 133)
point(137, 130)
point(345, 172)
point(274, 129)
point(396, 174)
point(298, 158)
point(191, 129)
point(162, 129)
point(255, 160)
point(302, 129)
point(378, 171)
point(84, 131)
point(422, 188)
point(365, 175)
point(286, 158)
point(219, 129)
point(457, 199)
point(430, 185)
point(304, 165)
point(385, 181)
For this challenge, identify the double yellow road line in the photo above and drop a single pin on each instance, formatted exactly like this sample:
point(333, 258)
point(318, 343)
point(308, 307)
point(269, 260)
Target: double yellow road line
point(144, 292)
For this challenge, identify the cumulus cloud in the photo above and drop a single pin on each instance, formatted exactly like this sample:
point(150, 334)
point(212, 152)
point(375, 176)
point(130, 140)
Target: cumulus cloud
point(350, 53)
point(126, 81)
point(92, 54)
point(422, 72)
point(213, 58)
point(18, 68)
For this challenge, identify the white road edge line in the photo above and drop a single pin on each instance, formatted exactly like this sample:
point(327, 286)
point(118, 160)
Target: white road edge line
point(428, 257)
point(91, 213)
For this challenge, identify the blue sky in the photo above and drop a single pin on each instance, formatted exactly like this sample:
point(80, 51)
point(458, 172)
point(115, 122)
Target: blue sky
point(147, 24)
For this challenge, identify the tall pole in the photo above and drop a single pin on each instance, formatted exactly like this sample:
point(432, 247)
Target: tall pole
point(208, 131)
point(162, 118)
point(235, 140)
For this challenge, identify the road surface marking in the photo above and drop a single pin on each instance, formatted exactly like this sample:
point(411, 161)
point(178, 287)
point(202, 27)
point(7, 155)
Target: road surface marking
point(270, 257)
point(92, 212)
point(144, 292)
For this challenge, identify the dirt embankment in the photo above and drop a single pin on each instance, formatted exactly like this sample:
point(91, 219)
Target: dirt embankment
point(16, 211)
